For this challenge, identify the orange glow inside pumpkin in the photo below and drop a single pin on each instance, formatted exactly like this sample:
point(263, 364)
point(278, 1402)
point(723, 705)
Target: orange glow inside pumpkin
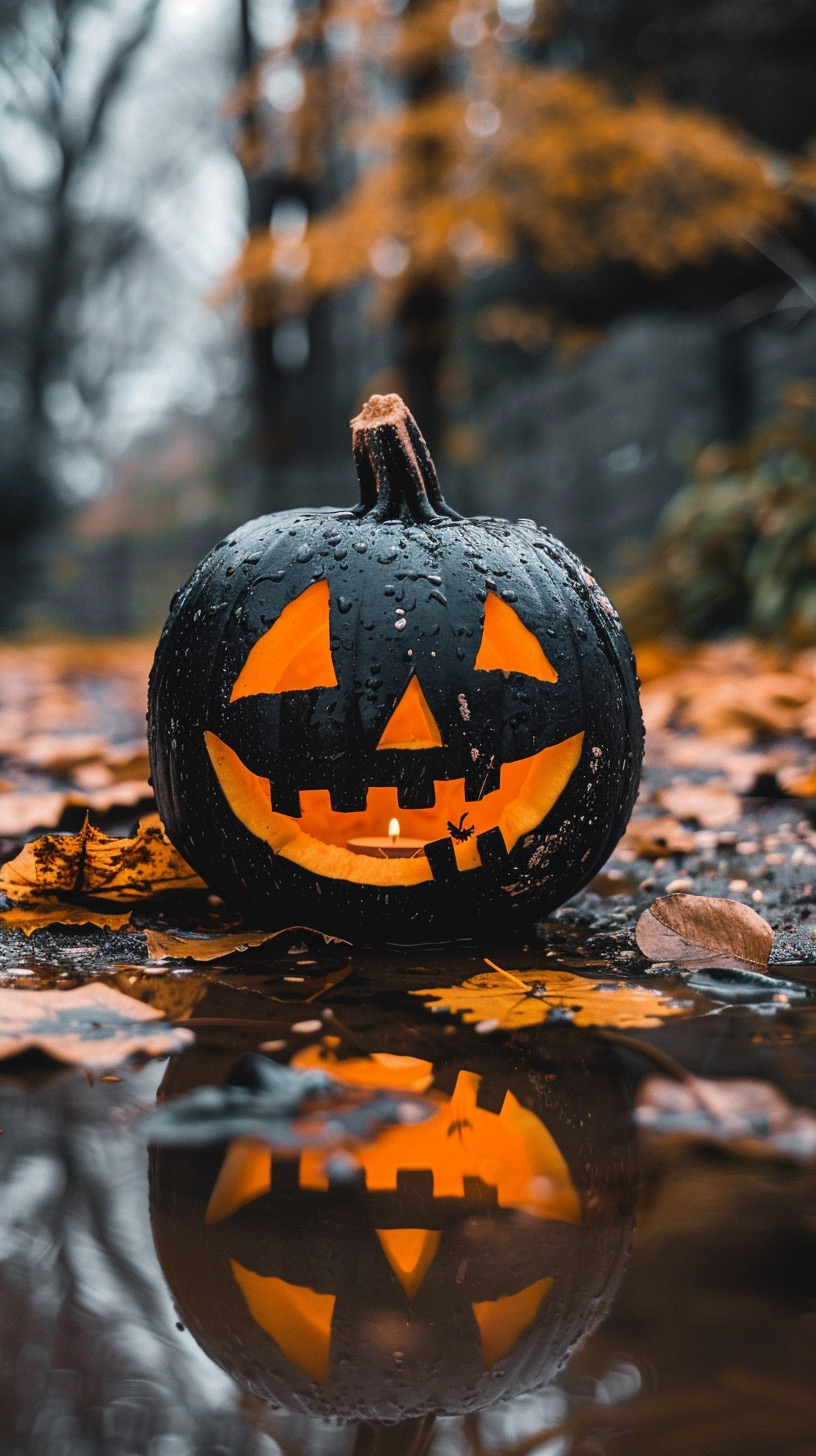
point(317, 840)
point(295, 655)
point(298, 1319)
point(508, 646)
point(463, 1147)
point(412, 724)
point(460, 1145)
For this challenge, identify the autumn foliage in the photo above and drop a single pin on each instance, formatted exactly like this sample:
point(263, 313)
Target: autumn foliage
point(486, 155)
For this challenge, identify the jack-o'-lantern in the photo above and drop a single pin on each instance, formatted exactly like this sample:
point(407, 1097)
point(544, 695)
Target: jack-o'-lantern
point(457, 692)
point(459, 1266)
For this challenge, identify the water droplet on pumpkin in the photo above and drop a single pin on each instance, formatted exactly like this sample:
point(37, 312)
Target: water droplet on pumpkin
point(277, 575)
point(344, 604)
point(304, 554)
point(361, 546)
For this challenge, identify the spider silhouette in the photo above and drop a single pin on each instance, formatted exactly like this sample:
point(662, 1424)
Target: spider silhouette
point(459, 832)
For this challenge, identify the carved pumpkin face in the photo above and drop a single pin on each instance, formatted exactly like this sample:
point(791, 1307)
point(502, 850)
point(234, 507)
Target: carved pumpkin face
point(461, 678)
point(460, 1265)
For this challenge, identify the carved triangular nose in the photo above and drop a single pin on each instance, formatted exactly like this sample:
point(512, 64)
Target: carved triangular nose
point(410, 1252)
point(412, 724)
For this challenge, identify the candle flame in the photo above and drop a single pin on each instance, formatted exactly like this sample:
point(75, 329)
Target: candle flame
point(393, 828)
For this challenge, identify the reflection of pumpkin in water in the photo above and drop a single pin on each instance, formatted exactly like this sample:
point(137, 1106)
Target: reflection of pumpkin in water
point(460, 1264)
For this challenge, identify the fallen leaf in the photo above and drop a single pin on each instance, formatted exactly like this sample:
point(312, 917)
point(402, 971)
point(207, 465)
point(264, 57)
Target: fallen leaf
point(286, 1109)
point(747, 1117)
point(802, 785)
point(699, 931)
point(198, 945)
point(20, 812)
point(58, 753)
point(120, 794)
point(175, 996)
point(94, 864)
point(29, 919)
point(714, 806)
point(525, 998)
point(91, 1026)
point(656, 838)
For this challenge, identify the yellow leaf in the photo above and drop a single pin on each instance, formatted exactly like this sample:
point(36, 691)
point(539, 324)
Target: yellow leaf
point(526, 998)
point(56, 913)
point(94, 864)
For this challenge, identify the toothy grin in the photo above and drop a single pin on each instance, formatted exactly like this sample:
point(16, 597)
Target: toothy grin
point(317, 839)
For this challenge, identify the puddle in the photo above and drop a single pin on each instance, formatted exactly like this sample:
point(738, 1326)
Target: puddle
point(515, 1273)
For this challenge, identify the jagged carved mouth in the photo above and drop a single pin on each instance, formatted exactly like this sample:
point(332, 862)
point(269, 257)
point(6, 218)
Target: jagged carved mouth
point(317, 840)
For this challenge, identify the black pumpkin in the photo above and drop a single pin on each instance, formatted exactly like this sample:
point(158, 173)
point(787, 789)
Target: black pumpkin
point(324, 672)
point(461, 1268)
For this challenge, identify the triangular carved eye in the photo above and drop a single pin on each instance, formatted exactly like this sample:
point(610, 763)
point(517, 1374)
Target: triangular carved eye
point(508, 646)
point(295, 654)
point(412, 724)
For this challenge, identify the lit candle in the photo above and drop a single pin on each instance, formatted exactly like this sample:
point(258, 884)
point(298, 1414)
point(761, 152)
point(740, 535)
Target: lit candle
point(390, 846)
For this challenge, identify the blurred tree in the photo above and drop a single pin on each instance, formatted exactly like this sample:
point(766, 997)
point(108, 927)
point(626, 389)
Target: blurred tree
point(62, 68)
point(120, 203)
point(472, 152)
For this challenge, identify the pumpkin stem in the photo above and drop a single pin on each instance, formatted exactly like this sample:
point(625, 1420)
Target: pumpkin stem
point(397, 476)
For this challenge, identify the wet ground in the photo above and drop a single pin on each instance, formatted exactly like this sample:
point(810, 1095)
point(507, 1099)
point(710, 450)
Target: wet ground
point(520, 1273)
point(684, 1279)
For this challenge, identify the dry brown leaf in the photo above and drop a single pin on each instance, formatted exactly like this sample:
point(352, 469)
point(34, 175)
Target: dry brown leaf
point(28, 919)
point(58, 753)
point(94, 864)
point(655, 838)
point(91, 1026)
point(748, 1117)
point(21, 811)
point(697, 930)
point(712, 805)
point(512, 999)
point(198, 945)
point(120, 794)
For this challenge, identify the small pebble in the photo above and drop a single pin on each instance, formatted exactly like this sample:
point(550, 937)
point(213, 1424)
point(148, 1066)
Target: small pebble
point(271, 1046)
point(738, 886)
point(676, 887)
point(305, 1028)
point(747, 846)
point(757, 895)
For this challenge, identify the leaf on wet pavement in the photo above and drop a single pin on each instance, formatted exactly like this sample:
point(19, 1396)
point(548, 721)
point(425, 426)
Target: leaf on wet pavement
point(286, 1108)
point(746, 1116)
point(29, 918)
point(512, 999)
point(694, 931)
point(199, 945)
point(94, 864)
point(713, 806)
point(21, 811)
point(654, 838)
point(91, 1026)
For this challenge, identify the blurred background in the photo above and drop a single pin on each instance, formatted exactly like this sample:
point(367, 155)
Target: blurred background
point(578, 235)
